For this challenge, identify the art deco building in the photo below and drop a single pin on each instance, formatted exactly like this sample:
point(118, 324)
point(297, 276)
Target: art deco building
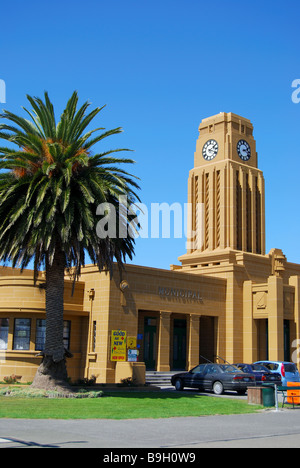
point(226, 298)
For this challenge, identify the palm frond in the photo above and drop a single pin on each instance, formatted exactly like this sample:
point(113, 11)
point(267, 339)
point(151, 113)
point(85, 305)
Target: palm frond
point(53, 184)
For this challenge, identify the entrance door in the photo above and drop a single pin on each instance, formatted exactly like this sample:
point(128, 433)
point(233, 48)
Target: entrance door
point(150, 330)
point(287, 347)
point(207, 349)
point(179, 345)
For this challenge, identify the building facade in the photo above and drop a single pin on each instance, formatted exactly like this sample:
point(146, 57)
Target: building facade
point(227, 298)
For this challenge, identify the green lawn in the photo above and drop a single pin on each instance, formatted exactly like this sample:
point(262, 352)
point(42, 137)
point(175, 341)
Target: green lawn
point(123, 405)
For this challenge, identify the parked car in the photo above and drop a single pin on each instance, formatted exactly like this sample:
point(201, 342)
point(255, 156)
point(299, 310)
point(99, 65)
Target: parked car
point(214, 377)
point(287, 370)
point(261, 373)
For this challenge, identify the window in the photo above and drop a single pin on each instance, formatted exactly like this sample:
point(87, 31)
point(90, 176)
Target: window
point(22, 334)
point(67, 333)
point(94, 336)
point(259, 368)
point(3, 333)
point(40, 336)
point(199, 369)
point(211, 369)
point(228, 368)
point(290, 368)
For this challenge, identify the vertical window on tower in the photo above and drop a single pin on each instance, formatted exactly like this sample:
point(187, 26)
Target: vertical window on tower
point(206, 204)
point(239, 238)
point(218, 209)
point(195, 238)
point(249, 214)
point(258, 219)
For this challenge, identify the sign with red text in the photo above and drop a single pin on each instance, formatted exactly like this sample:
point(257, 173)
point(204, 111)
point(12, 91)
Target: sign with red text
point(118, 346)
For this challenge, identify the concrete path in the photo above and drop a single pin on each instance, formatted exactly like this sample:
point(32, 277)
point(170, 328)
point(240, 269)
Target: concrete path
point(266, 429)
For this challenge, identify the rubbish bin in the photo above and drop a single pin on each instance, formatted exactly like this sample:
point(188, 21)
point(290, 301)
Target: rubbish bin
point(268, 397)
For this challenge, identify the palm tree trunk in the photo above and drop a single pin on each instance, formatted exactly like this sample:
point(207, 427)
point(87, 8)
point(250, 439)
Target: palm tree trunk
point(52, 372)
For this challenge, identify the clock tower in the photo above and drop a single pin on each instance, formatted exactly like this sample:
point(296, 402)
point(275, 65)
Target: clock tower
point(226, 191)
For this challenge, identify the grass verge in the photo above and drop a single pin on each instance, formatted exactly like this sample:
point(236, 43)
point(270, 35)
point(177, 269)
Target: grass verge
point(123, 405)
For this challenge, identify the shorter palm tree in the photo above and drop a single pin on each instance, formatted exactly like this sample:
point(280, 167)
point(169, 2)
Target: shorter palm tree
point(50, 187)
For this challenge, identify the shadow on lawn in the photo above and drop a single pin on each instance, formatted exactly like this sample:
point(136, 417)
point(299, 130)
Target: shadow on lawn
point(158, 395)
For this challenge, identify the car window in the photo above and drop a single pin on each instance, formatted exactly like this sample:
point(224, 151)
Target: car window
point(228, 368)
point(290, 368)
point(211, 369)
point(272, 366)
point(259, 368)
point(199, 369)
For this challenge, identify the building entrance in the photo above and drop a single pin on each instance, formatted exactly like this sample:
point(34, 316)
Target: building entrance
point(287, 347)
point(179, 345)
point(150, 341)
point(207, 339)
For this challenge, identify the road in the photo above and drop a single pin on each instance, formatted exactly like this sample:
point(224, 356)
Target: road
point(268, 429)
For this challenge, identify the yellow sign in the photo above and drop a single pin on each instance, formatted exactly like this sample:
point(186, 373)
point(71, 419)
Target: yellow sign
point(131, 342)
point(118, 345)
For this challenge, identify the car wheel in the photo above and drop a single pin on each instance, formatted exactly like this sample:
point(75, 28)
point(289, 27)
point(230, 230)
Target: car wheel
point(178, 385)
point(218, 388)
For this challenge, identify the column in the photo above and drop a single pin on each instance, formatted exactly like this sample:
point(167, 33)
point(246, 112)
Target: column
point(295, 281)
point(275, 317)
point(193, 341)
point(164, 336)
point(249, 328)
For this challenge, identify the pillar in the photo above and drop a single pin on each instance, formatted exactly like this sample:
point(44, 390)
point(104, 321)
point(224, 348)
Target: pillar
point(193, 341)
point(295, 281)
point(163, 354)
point(275, 318)
point(249, 327)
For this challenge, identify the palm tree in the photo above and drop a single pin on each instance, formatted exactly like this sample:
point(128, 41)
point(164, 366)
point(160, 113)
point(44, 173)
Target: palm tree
point(50, 187)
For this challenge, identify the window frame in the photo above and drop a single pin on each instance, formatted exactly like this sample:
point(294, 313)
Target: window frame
point(26, 337)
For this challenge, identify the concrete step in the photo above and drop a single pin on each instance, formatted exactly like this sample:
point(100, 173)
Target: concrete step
point(159, 379)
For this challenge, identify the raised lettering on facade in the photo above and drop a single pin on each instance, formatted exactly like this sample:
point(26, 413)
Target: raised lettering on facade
point(179, 293)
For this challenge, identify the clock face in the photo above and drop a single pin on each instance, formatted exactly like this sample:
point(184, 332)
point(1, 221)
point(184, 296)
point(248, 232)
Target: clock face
point(244, 150)
point(210, 150)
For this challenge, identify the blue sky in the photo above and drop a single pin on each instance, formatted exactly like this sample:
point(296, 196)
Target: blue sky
point(161, 67)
